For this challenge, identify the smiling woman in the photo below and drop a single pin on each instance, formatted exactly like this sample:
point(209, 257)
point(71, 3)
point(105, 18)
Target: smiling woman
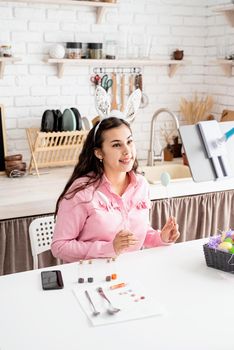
point(104, 208)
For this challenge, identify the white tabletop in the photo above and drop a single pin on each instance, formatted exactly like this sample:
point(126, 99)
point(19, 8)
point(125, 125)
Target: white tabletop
point(197, 301)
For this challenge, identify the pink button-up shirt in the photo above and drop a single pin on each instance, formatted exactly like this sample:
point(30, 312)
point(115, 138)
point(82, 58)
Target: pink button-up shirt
point(87, 224)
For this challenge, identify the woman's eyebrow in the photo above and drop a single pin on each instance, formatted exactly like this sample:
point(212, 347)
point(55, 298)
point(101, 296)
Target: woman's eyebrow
point(120, 140)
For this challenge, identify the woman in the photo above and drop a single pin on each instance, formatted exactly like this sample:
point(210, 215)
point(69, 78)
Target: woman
point(104, 208)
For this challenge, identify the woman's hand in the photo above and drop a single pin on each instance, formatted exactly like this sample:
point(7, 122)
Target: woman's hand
point(123, 240)
point(170, 233)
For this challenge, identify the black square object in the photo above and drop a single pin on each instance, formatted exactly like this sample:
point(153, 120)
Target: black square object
point(218, 259)
point(51, 280)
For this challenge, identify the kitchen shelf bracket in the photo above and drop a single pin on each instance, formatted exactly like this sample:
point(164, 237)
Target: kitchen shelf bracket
point(227, 11)
point(61, 67)
point(2, 68)
point(226, 66)
point(173, 67)
point(100, 6)
point(100, 14)
point(4, 61)
point(227, 69)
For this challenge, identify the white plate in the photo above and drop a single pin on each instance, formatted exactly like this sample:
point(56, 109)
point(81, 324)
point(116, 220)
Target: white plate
point(86, 123)
point(68, 120)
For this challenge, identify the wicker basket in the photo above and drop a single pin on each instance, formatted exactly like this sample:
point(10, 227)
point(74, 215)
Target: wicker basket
point(218, 259)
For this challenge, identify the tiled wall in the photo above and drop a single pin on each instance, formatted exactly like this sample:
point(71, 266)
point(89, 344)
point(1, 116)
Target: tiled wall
point(31, 86)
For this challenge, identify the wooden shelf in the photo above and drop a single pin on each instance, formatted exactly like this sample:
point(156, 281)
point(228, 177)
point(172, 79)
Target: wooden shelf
point(4, 61)
point(173, 65)
point(227, 11)
point(226, 66)
point(100, 6)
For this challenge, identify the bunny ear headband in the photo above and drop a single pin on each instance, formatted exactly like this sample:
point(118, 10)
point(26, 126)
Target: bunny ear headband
point(103, 106)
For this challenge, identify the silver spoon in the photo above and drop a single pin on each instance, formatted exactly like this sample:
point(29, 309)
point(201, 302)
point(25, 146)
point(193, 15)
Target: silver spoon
point(112, 310)
point(95, 312)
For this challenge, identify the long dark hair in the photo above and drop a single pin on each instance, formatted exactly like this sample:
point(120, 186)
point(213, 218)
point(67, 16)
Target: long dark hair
point(89, 165)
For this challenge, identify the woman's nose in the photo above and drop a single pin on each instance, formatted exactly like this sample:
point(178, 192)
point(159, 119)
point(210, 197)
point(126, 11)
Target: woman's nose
point(126, 150)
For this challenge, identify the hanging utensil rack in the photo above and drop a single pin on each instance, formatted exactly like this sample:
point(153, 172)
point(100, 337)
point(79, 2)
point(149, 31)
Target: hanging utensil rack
point(120, 70)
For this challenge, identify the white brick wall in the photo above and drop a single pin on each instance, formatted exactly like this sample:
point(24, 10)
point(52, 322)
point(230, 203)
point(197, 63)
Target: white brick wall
point(31, 86)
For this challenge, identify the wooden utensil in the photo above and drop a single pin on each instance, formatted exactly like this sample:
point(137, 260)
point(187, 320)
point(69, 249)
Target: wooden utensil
point(114, 92)
point(131, 84)
point(122, 92)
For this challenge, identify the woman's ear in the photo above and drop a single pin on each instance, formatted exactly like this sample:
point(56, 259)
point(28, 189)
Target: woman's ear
point(98, 154)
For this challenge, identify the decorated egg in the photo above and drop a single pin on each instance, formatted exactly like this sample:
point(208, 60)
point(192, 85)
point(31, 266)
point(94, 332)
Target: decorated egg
point(226, 246)
point(223, 236)
point(228, 239)
point(57, 51)
point(231, 250)
point(165, 179)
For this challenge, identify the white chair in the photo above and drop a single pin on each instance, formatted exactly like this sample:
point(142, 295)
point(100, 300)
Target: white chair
point(41, 233)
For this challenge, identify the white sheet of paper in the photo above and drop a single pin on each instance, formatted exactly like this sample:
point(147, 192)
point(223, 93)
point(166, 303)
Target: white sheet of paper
point(127, 298)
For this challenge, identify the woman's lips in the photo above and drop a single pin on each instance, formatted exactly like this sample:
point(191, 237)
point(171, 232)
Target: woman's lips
point(126, 161)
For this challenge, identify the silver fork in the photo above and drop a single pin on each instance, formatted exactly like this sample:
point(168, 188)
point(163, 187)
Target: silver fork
point(95, 312)
point(111, 310)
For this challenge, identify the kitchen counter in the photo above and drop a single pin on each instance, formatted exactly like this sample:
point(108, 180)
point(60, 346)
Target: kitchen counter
point(33, 195)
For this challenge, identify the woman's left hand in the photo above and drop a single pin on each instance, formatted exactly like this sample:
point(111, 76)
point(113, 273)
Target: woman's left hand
point(170, 233)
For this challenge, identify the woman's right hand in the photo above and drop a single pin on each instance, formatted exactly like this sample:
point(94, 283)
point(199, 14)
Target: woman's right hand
point(123, 240)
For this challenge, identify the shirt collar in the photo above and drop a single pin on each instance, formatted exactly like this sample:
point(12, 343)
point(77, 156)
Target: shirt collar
point(132, 175)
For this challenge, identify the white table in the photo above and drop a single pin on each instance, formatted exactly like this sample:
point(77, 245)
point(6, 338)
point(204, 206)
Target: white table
point(198, 301)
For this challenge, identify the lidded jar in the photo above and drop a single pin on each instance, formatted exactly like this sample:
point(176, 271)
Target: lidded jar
point(73, 50)
point(95, 50)
point(110, 49)
point(6, 51)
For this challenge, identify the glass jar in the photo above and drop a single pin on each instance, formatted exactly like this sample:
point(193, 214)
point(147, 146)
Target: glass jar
point(73, 50)
point(111, 49)
point(6, 51)
point(95, 51)
point(84, 51)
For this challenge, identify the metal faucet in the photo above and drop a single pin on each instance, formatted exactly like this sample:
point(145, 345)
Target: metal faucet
point(151, 156)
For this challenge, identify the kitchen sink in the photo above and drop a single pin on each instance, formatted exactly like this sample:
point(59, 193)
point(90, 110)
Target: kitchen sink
point(176, 171)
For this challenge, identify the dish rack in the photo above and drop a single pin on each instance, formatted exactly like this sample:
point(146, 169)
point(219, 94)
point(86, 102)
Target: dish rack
point(51, 149)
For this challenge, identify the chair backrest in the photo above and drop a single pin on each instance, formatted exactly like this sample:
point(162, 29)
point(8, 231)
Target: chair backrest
point(41, 233)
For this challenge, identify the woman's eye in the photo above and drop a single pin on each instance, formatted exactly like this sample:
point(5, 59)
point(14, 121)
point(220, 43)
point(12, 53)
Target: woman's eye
point(130, 141)
point(116, 145)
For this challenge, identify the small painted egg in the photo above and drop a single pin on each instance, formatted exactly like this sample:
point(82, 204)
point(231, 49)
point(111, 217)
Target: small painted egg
point(225, 246)
point(228, 239)
point(165, 179)
point(223, 236)
point(231, 250)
